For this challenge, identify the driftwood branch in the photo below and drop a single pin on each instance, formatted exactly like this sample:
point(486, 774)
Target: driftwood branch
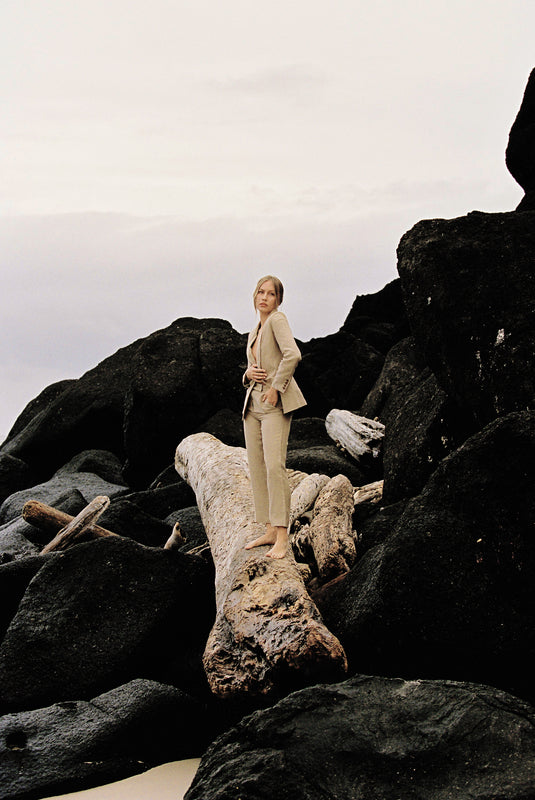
point(359, 436)
point(68, 529)
point(267, 629)
point(50, 520)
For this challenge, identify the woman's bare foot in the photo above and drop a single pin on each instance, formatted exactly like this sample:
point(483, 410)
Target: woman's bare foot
point(269, 537)
point(280, 547)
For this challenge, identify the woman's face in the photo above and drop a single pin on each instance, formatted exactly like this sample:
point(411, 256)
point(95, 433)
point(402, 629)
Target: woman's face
point(266, 298)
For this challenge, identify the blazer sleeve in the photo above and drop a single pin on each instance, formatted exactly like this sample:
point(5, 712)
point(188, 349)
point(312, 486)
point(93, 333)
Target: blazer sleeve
point(291, 355)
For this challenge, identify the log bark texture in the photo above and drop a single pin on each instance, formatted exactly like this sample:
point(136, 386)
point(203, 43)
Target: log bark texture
point(268, 632)
point(331, 528)
point(359, 436)
point(305, 493)
point(370, 494)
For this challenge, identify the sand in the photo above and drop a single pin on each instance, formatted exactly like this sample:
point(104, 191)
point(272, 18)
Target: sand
point(167, 782)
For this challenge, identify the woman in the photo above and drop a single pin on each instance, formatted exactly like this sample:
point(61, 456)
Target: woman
point(272, 396)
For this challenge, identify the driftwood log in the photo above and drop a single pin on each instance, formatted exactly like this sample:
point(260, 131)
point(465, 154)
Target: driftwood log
point(267, 631)
point(359, 436)
point(68, 530)
point(331, 529)
point(305, 493)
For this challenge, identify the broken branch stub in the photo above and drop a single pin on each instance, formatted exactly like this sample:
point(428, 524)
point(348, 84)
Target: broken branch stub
point(267, 629)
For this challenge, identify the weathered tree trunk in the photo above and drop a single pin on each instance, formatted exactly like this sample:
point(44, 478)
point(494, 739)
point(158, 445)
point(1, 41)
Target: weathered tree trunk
point(267, 629)
point(358, 435)
point(331, 528)
point(79, 525)
point(50, 520)
point(305, 493)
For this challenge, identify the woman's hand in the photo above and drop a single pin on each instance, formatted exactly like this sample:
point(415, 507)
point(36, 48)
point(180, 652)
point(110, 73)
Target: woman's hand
point(271, 396)
point(254, 373)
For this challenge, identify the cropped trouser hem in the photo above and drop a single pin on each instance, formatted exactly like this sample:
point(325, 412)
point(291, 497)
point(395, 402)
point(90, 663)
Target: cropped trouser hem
point(266, 431)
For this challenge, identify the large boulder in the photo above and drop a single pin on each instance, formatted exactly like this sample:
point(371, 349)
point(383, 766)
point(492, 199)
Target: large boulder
point(180, 376)
point(14, 475)
point(424, 431)
point(102, 613)
point(55, 491)
point(449, 592)
point(520, 153)
point(337, 371)
point(380, 318)
point(372, 737)
point(77, 744)
point(14, 579)
point(399, 375)
point(469, 289)
point(138, 402)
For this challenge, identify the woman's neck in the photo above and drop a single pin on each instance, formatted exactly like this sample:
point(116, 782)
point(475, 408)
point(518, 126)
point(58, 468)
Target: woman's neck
point(264, 315)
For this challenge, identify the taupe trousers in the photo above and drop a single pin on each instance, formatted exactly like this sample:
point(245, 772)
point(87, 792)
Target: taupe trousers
point(266, 431)
point(267, 427)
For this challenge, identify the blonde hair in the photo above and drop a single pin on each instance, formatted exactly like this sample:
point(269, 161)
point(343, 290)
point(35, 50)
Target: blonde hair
point(277, 285)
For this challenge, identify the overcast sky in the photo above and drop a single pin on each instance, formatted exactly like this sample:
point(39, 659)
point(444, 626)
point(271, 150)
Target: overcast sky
point(158, 156)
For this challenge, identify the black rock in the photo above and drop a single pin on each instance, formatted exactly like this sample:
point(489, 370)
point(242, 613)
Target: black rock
point(520, 153)
point(182, 376)
point(14, 579)
point(102, 613)
point(164, 500)
point(450, 592)
point(380, 318)
point(35, 408)
point(15, 474)
point(327, 460)
point(399, 376)
point(469, 289)
point(100, 462)
point(138, 403)
point(308, 432)
point(129, 520)
point(15, 541)
point(372, 737)
point(337, 371)
point(424, 431)
point(77, 744)
point(56, 491)
point(226, 425)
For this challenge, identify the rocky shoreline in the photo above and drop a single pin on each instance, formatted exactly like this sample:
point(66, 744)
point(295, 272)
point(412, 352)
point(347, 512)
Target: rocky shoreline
point(101, 672)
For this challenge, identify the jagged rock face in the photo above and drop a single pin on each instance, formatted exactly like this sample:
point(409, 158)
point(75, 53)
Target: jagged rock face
point(417, 439)
point(74, 745)
point(450, 590)
point(103, 613)
point(374, 737)
point(520, 153)
point(469, 289)
point(379, 319)
point(398, 377)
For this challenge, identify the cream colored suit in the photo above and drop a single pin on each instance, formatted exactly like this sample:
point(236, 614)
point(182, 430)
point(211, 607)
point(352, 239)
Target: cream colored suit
point(279, 355)
point(267, 427)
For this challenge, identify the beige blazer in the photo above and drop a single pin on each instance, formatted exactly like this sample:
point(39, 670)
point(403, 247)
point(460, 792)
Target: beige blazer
point(279, 355)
